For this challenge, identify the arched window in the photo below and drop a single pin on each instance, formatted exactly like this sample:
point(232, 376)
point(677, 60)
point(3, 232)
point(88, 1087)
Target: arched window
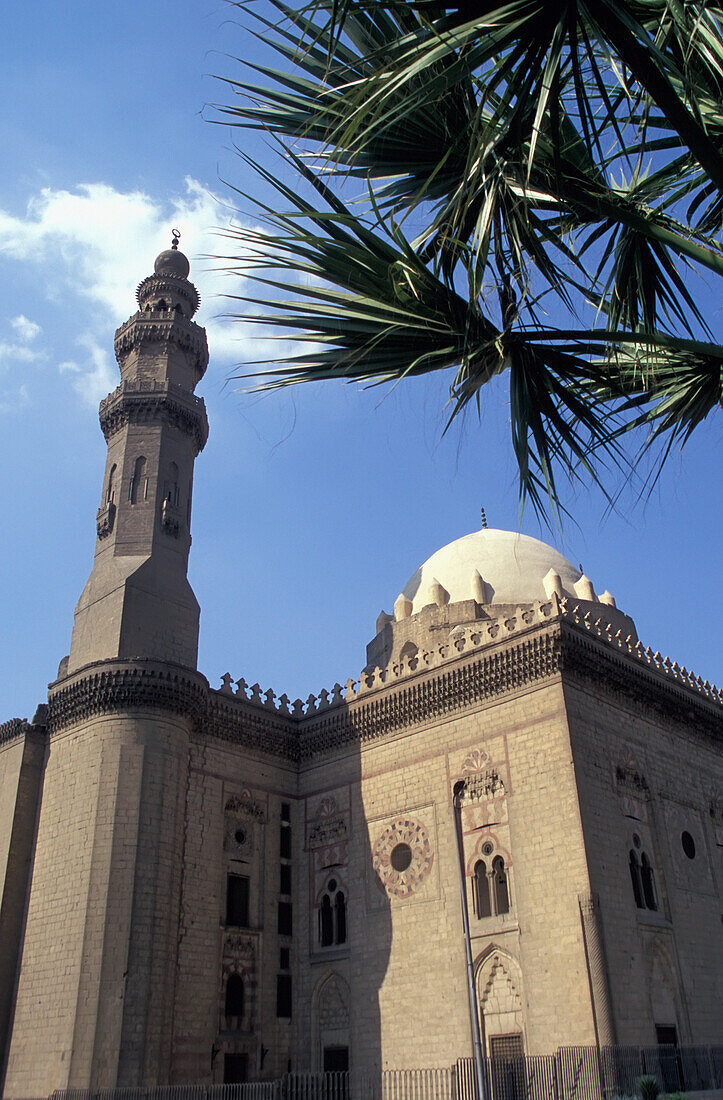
point(110, 491)
point(332, 915)
point(482, 900)
point(499, 878)
point(648, 880)
point(326, 922)
point(234, 996)
point(138, 489)
point(636, 880)
point(408, 653)
point(340, 917)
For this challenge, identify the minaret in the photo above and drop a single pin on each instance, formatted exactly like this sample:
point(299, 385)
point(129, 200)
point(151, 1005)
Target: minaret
point(138, 602)
point(104, 910)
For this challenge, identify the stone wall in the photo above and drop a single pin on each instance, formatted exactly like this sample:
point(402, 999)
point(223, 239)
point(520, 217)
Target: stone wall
point(644, 779)
point(106, 874)
point(22, 756)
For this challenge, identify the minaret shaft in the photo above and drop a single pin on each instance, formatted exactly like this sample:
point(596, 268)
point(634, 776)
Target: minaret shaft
point(105, 894)
point(138, 602)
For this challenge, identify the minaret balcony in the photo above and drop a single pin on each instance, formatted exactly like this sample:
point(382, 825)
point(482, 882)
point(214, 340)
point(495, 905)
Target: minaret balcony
point(165, 326)
point(104, 519)
point(137, 401)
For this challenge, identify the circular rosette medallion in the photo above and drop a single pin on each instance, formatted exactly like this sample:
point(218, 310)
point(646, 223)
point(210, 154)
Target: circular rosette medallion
point(402, 857)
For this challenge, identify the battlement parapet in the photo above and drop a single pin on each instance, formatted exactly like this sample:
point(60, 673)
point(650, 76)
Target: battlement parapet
point(466, 639)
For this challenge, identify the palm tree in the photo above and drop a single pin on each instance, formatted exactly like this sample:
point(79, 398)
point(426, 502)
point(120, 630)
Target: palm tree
point(538, 194)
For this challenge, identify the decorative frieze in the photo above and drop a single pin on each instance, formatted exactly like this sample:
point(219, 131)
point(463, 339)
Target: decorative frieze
point(167, 402)
point(245, 806)
point(260, 722)
point(163, 328)
point(112, 687)
point(14, 727)
point(178, 285)
point(328, 832)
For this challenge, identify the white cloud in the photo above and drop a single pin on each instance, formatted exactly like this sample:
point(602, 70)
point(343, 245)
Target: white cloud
point(95, 376)
point(97, 242)
point(17, 351)
point(26, 330)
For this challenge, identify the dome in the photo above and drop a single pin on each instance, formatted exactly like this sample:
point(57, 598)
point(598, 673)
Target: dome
point(172, 262)
point(511, 566)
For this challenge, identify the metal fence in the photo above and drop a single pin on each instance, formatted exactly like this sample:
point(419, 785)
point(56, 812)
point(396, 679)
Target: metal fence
point(572, 1073)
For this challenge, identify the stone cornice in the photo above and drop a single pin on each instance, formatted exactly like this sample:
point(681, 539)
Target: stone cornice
point(594, 661)
point(13, 728)
point(110, 687)
point(556, 649)
point(166, 401)
point(163, 327)
point(426, 697)
point(251, 726)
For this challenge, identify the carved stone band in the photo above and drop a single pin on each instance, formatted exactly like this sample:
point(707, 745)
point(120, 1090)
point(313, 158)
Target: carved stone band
point(185, 334)
point(126, 406)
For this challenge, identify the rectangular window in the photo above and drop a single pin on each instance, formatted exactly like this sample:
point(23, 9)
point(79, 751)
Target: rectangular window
point(237, 901)
point(284, 958)
point(285, 921)
point(283, 996)
point(285, 879)
point(336, 1059)
point(285, 842)
point(285, 811)
point(235, 1069)
point(507, 1047)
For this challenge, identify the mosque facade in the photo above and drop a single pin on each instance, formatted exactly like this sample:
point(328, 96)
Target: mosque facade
point(206, 884)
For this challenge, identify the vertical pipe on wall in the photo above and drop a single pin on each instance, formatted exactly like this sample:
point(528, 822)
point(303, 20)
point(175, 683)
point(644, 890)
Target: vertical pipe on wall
point(471, 987)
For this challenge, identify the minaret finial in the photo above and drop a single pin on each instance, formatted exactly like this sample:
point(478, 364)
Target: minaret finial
point(176, 234)
point(484, 519)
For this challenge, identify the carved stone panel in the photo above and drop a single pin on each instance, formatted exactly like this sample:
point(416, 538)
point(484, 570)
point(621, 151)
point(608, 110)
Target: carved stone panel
point(402, 856)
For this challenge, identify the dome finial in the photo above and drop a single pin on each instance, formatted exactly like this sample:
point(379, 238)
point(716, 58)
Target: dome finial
point(172, 261)
point(484, 519)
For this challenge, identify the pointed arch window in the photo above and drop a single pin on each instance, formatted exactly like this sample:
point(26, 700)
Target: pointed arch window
point(110, 491)
point(340, 917)
point(332, 915)
point(138, 488)
point(636, 879)
point(648, 879)
point(482, 899)
point(490, 885)
point(326, 922)
point(499, 878)
point(642, 876)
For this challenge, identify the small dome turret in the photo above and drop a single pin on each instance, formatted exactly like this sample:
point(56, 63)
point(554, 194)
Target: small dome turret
point(172, 261)
point(168, 287)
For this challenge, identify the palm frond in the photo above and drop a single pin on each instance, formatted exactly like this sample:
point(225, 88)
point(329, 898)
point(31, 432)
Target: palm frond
point(569, 156)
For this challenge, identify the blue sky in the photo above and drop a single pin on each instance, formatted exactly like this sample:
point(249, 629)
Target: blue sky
point(311, 508)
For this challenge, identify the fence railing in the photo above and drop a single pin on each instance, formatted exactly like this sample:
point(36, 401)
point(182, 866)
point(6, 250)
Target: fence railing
point(572, 1073)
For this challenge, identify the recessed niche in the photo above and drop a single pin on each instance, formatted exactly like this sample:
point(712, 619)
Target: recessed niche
point(688, 844)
